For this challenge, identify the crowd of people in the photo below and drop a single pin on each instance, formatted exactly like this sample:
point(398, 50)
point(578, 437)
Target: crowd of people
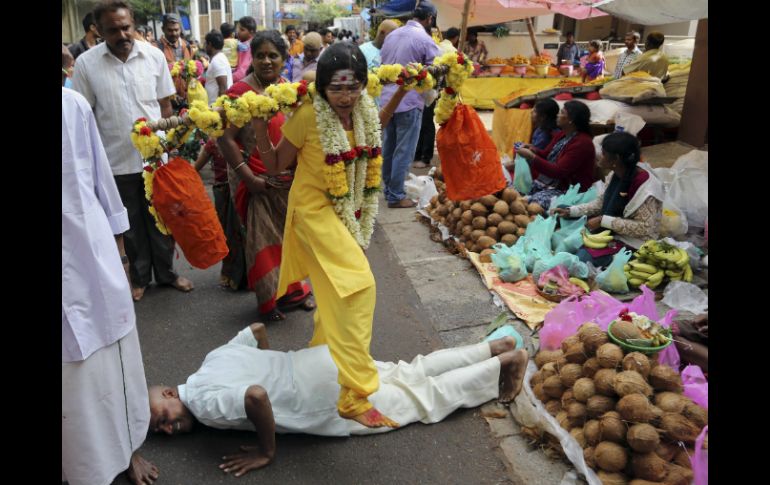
point(284, 233)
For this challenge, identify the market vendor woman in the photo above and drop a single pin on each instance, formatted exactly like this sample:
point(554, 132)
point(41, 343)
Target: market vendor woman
point(567, 160)
point(630, 205)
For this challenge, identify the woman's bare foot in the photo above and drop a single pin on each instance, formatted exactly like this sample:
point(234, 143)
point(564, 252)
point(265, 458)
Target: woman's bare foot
point(500, 345)
point(374, 419)
point(141, 471)
point(513, 365)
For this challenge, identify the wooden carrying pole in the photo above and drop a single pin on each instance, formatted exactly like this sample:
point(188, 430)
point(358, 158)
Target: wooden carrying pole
point(464, 26)
point(531, 29)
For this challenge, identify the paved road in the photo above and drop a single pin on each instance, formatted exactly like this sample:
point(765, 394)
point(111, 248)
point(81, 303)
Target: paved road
point(177, 330)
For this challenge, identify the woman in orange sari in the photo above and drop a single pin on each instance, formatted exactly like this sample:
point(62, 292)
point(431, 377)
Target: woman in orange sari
point(260, 200)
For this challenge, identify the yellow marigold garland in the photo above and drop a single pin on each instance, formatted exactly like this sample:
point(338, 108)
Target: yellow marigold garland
point(206, 119)
point(460, 68)
point(373, 85)
point(146, 142)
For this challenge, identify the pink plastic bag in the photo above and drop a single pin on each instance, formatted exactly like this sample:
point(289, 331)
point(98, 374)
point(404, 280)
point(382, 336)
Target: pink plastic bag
point(601, 308)
point(560, 275)
point(700, 459)
point(696, 387)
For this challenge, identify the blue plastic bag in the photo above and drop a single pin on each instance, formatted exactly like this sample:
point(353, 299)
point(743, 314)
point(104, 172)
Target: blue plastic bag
point(509, 262)
point(613, 279)
point(538, 240)
point(568, 239)
point(522, 175)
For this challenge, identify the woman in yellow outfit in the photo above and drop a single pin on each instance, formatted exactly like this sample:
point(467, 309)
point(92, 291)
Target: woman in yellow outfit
point(323, 238)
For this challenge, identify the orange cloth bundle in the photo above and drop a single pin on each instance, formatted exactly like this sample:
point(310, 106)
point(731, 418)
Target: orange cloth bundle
point(181, 200)
point(469, 158)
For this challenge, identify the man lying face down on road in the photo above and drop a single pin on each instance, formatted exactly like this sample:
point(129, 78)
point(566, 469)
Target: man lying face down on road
point(243, 385)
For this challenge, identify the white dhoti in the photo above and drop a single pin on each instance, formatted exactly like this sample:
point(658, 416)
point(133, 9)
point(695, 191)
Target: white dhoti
point(431, 387)
point(105, 412)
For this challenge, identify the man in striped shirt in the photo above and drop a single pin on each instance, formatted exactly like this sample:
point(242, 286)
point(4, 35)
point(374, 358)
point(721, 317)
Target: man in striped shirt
point(631, 53)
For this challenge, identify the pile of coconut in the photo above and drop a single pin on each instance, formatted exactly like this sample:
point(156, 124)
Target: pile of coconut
point(478, 224)
point(626, 411)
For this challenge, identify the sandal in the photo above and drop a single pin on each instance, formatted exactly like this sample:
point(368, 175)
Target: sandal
point(307, 304)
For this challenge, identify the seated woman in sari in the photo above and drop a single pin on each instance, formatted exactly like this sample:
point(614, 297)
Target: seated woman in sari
point(631, 204)
point(543, 116)
point(567, 160)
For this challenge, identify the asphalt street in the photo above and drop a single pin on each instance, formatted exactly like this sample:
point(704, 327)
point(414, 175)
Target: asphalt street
point(177, 330)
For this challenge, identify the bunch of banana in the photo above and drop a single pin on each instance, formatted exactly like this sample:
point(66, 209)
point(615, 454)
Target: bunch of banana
point(597, 241)
point(640, 273)
point(656, 259)
point(580, 283)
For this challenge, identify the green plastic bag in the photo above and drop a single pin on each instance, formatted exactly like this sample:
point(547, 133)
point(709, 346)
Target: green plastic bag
point(509, 262)
point(568, 238)
point(613, 279)
point(574, 197)
point(522, 180)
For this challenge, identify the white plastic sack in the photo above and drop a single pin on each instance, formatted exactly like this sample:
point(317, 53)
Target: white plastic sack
point(628, 123)
point(529, 411)
point(420, 188)
point(686, 297)
point(673, 221)
point(690, 192)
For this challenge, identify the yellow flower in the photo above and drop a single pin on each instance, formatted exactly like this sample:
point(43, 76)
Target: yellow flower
point(444, 108)
point(206, 119)
point(336, 179)
point(373, 86)
point(147, 184)
point(285, 94)
point(159, 222)
point(237, 112)
point(389, 72)
point(311, 89)
point(373, 172)
point(148, 146)
point(263, 107)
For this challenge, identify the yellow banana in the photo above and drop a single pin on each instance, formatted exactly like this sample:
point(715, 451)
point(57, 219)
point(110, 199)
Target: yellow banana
point(687, 274)
point(626, 267)
point(643, 267)
point(652, 284)
point(635, 282)
point(656, 278)
point(590, 243)
point(640, 274)
point(673, 273)
point(683, 259)
point(601, 237)
point(580, 283)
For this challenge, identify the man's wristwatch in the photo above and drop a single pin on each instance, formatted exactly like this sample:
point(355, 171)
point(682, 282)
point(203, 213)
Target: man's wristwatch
point(124, 259)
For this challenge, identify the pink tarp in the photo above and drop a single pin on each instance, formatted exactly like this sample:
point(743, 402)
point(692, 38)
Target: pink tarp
point(486, 12)
point(576, 9)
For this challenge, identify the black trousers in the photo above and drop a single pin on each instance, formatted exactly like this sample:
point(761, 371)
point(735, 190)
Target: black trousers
point(427, 139)
point(148, 250)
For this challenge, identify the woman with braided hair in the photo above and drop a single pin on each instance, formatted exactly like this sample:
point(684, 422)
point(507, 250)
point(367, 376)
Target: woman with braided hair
point(630, 205)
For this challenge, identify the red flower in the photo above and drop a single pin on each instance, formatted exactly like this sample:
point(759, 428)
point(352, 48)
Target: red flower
point(349, 155)
point(302, 89)
point(359, 151)
point(332, 159)
point(146, 131)
point(148, 168)
point(233, 96)
point(183, 111)
point(140, 120)
point(450, 91)
point(400, 82)
point(460, 59)
point(374, 152)
point(422, 75)
point(358, 214)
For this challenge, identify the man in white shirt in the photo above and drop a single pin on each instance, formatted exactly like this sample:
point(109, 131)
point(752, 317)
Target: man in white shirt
point(124, 80)
point(631, 53)
point(242, 385)
point(104, 395)
point(219, 76)
point(307, 62)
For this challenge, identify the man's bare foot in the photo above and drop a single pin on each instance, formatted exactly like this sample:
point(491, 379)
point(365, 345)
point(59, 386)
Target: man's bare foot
point(374, 419)
point(500, 345)
point(141, 471)
point(513, 364)
point(137, 293)
point(182, 284)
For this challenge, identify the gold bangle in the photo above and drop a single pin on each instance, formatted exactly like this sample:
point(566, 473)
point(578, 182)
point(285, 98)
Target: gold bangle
point(239, 166)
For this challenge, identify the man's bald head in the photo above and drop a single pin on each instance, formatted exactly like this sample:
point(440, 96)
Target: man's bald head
point(386, 27)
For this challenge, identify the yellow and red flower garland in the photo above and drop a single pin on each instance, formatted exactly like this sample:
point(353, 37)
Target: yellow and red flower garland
point(460, 68)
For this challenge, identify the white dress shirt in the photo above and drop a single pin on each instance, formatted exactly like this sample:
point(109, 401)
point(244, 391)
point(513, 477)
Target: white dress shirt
point(219, 66)
point(120, 92)
point(96, 301)
point(302, 388)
